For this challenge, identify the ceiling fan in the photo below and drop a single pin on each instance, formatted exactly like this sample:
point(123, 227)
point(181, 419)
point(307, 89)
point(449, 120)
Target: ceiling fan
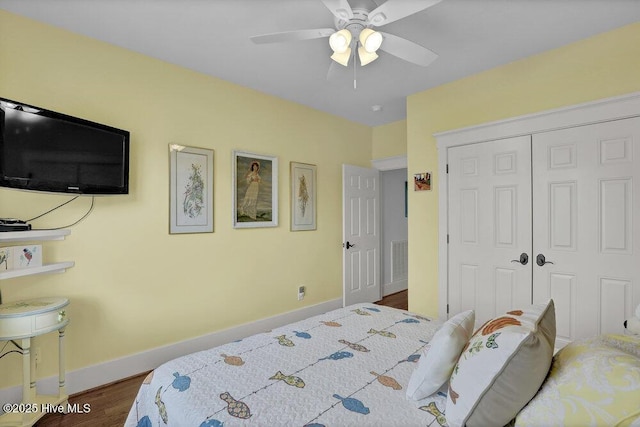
point(354, 31)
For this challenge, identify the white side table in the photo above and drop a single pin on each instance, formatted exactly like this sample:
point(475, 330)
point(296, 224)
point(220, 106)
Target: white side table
point(19, 322)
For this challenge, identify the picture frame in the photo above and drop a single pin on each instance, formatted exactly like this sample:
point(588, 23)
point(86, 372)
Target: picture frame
point(255, 190)
point(190, 189)
point(303, 196)
point(422, 181)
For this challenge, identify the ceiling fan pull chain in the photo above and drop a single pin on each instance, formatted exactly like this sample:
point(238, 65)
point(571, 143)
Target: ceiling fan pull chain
point(354, 69)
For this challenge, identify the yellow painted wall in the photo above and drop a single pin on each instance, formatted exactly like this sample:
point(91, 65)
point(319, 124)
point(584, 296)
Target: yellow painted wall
point(134, 286)
point(602, 66)
point(389, 140)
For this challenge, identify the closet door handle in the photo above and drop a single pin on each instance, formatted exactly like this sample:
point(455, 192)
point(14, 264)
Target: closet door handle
point(540, 260)
point(524, 259)
point(348, 245)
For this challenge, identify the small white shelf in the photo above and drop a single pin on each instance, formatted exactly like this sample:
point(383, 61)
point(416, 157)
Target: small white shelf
point(33, 235)
point(58, 267)
point(25, 236)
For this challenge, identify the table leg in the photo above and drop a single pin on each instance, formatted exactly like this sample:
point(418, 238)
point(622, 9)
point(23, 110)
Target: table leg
point(26, 369)
point(61, 371)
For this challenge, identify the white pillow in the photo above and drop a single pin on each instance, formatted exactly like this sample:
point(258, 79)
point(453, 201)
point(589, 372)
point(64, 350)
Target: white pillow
point(436, 364)
point(502, 367)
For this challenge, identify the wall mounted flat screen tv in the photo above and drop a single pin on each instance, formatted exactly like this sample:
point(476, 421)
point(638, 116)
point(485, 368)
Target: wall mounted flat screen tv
point(42, 150)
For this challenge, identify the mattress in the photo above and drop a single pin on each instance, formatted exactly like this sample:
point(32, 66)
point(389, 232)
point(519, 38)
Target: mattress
point(347, 367)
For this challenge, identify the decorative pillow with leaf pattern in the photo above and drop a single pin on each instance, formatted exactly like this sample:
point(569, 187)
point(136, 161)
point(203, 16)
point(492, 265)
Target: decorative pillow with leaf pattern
point(502, 367)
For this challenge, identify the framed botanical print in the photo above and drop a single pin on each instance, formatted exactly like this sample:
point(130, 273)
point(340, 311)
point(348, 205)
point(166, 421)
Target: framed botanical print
point(303, 196)
point(255, 190)
point(191, 190)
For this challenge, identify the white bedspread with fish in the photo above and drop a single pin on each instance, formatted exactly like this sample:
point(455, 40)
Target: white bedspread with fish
point(348, 367)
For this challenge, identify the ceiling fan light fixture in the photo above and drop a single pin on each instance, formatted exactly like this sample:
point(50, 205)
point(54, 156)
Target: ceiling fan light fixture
point(370, 40)
point(366, 57)
point(340, 41)
point(342, 58)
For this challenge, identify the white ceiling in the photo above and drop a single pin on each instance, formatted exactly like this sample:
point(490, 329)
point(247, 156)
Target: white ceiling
point(212, 37)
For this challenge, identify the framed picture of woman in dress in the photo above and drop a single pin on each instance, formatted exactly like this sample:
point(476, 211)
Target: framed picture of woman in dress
point(255, 190)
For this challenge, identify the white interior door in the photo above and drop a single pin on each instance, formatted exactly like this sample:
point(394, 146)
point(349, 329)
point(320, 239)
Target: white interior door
point(490, 227)
point(361, 234)
point(586, 212)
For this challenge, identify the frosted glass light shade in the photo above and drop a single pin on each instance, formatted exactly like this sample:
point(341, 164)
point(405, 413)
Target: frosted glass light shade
point(370, 40)
point(366, 57)
point(342, 58)
point(340, 41)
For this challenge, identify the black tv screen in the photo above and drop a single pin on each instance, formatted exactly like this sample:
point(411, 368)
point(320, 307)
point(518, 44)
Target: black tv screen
point(42, 150)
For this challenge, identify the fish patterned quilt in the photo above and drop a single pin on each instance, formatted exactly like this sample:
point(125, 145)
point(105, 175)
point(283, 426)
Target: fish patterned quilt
point(347, 367)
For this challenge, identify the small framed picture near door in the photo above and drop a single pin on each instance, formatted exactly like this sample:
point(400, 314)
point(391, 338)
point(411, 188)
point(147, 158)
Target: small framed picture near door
point(303, 196)
point(190, 190)
point(422, 181)
point(255, 190)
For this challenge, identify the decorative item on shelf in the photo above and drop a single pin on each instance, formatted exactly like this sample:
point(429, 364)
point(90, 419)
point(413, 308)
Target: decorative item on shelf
point(422, 181)
point(303, 196)
point(191, 190)
point(15, 256)
point(29, 256)
point(255, 190)
point(19, 257)
point(6, 259)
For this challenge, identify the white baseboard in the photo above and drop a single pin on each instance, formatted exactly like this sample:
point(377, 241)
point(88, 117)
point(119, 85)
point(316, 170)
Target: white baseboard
point(392, 288)
point(104, 373)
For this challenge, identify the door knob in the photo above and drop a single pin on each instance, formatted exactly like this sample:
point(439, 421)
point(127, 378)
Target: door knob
point(524, 259)
point(540, 260)
point(348, 245)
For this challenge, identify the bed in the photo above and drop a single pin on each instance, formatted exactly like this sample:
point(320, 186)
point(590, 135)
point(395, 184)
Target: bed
point(370, 365)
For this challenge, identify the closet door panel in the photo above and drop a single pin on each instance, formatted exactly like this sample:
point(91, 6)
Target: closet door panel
point(586, 209)
point(489, 227)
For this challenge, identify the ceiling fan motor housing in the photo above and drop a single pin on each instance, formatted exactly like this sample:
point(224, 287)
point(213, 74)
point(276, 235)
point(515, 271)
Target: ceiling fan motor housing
point(354, 25)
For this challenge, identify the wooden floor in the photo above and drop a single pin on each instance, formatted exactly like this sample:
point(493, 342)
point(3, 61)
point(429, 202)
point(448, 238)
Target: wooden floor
point(110, 404)
point(398, 300)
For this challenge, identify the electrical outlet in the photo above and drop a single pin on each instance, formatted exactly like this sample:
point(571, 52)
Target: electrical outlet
point(38, 355)
point(301, 292)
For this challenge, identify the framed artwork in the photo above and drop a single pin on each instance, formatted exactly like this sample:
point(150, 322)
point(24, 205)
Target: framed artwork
point(303, 196)
point(422, 181)
point(255, 190)
point(191, 190)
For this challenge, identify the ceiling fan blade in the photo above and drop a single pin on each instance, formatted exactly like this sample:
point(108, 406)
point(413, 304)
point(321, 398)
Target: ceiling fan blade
point(407, 50)
point(333, 67)
point(292, 36)
point(340, 8)
point(392, 10)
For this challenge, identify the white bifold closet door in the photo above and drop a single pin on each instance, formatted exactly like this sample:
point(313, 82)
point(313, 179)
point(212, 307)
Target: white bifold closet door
point(586, 210)
point(490, 227)
point(566, 199)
